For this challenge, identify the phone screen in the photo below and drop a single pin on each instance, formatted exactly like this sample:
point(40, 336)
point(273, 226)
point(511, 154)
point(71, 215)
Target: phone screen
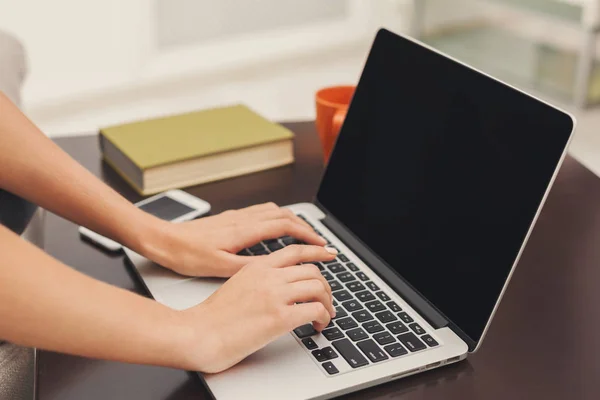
point(166, 208)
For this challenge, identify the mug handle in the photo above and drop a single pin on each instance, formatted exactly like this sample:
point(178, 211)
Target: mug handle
point(338, 120)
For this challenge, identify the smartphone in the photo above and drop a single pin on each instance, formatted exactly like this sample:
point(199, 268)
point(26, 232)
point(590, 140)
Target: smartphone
point(173, 205)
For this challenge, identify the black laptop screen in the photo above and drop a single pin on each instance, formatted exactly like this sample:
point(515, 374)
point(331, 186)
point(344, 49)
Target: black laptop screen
point(440, 170)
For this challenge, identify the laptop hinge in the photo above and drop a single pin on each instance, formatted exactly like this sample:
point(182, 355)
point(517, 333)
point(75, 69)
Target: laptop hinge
point(410, 295)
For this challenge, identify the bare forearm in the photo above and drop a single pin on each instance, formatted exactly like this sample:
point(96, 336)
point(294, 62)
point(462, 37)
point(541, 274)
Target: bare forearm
point(46, 304)
point(32, 166)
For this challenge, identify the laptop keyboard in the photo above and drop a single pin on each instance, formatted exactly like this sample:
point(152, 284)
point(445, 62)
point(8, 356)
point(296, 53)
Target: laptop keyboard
point(369, 326)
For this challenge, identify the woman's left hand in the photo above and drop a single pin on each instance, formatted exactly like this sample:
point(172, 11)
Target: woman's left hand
point(209, 246)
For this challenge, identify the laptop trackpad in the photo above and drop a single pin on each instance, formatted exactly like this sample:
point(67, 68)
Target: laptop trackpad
point(187, 293)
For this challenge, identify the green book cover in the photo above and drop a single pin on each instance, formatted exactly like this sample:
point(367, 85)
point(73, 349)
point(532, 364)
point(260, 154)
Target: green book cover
point(160, 141)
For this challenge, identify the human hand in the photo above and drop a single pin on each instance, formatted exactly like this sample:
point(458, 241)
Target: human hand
point(208, 246)
point(256, 306)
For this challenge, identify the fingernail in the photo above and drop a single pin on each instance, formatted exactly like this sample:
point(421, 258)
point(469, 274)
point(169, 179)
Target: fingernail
point(331, 250)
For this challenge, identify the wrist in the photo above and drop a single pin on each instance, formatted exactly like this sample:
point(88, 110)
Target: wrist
point(163, 243)
point(152, 238)
point(172, 336)
point(199, 348)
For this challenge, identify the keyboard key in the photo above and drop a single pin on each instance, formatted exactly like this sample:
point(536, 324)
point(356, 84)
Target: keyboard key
point(375, 306)
point(256, 247)
point(362, 276)
point(319, 265)
point(330, 325)
point(332, 334)
point(336, 268)
point(335, 285)
point(352, 267)
point(340, 313)
point(384, 338)
point(287, 240)
point(352, 305)
point(283, 239)
point(355, 286)
point(383, 296)
point(335, 303)
point(345, 277)
point(350, 353)
point(372, 327)
point(431, 342)
point(411, 342)
point(365, 296)
point(394, 306)
point(343, 258)
point(395, 350)
point(386, 316)
point(362, 316)
point(305, 330)
point(318, 354)
point(244, 252)
point(330, 368)
point(357, 334)
point(371, 285)
point(342, 295)
point(326, 275)
point(417, 328)
point(269, 241)
point(329, 353)
point(397, 327)
point(405, 317)
point(309, 343)
point(330, 261)
point(261, 252)
point(346, 323)
point(372, 351)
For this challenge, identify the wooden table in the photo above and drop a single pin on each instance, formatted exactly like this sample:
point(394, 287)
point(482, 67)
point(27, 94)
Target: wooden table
point(543, 343)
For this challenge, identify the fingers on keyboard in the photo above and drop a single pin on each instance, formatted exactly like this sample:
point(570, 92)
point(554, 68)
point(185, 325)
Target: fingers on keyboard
point(369, 326)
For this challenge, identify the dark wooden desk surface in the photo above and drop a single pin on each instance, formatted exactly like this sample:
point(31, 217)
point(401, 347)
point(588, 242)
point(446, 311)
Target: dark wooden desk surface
point(542, 344)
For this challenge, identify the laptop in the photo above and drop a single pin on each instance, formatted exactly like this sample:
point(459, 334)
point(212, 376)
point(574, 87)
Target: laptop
point(433, 187)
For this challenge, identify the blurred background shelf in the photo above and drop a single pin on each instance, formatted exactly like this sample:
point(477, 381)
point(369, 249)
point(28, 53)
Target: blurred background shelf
point(524, 63)
point(548, 46)
point(564, 10)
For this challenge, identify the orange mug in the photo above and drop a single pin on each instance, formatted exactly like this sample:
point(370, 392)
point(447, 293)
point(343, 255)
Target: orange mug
point(332, 105)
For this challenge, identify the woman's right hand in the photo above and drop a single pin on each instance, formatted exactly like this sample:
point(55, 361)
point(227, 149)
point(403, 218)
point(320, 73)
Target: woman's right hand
point(263, 301)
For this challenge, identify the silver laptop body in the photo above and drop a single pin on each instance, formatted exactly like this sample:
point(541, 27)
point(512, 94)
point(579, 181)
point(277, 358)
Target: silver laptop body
point(289, 368)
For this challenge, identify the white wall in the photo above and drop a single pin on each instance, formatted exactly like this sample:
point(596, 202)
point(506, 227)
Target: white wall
point(284, 91)
point(78, 48)
point(440, 13)
point(205, 20)
point(73, 46)
point(95, 63)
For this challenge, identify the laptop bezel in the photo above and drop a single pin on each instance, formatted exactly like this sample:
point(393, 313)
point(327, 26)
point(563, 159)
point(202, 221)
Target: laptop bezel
point(383, 269)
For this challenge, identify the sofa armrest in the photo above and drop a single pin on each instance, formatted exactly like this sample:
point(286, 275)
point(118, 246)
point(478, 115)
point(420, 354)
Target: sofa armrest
point(13, 67)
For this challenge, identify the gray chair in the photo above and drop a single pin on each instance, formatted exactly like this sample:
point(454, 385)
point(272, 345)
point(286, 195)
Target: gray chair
point(16, 363)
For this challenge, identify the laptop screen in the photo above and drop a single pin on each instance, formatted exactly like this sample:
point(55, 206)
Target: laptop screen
point(440, 171)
